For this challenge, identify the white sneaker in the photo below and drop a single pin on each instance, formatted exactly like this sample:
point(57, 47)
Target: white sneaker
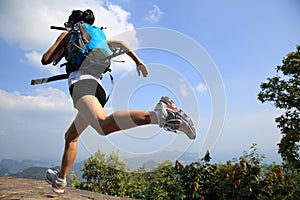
point(173, 119)
point(58, 185)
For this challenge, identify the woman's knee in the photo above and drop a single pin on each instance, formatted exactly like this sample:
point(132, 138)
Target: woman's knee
point(101, 126)
point(71, 135)
point(70, 139)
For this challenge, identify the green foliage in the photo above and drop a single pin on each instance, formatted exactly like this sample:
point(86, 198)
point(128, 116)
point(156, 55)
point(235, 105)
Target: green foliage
point(164, 183)
point(283, 91)
point(105, 174)
point(137, 184)
point(243, 178)
point(74, 180)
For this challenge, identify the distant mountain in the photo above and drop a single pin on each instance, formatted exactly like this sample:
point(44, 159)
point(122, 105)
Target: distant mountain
point(149, 164)
point(152, 160)
point(35, 169)
point(38, 173)
point(189, 157)
point(31, 173)
point(8, 166)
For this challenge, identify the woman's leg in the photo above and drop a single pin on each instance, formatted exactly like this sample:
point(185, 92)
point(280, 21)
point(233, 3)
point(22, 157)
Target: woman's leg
point(126, 119)
point(92, 111)
point(71, 143)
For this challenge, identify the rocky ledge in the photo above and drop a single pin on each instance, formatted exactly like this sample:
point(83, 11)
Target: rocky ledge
point(19, 188)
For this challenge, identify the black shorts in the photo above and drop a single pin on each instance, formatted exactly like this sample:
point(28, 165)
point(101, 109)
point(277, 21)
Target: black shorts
point(87, 87)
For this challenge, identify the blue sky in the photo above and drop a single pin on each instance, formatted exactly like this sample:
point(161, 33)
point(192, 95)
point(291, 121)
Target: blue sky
point(239, 42)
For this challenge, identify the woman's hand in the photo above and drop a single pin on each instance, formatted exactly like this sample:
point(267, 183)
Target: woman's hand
point(141, 68)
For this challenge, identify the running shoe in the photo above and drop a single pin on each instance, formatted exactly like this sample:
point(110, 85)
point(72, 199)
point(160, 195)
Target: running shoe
point(58, 185)
point(174, 119)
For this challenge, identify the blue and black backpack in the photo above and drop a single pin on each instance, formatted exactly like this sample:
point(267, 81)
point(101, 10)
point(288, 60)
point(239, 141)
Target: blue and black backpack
point(87, 50)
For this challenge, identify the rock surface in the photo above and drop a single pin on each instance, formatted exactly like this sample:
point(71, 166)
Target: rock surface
point(19, 188)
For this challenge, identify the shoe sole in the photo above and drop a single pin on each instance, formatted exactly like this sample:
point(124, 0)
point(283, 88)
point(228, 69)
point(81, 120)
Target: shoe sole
point(46, 179)
point(190, 133)
point(182, 122)
point(188, 122)
point(58, 191)
point(189, 125)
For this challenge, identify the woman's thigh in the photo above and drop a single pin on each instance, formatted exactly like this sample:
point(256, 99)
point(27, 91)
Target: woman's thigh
point(92, 111)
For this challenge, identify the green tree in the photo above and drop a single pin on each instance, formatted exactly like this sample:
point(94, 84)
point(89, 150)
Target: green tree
point(164, 183)
point(137, 183)
point(283, 91)
point(105, 174)
point(109, 175)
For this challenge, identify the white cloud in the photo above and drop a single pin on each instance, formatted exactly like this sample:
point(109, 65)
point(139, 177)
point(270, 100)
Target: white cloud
point(27, 23)
point(118, 67)
point(116, 19)
point(34, 57)
point(154, 15)
point(183, 90)
point(2, 133)
point(38, 120)
point(45, 99)
point(32, 122)
point(201, 88)
point(48, 110)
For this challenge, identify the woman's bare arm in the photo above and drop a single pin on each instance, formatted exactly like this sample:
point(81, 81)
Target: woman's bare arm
point(56, 49)
point(140, 66)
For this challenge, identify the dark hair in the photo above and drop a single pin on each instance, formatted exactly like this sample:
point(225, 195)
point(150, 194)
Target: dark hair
point(88, 16)
point(76, 16)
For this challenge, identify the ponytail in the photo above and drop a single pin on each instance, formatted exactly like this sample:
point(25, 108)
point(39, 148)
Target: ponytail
point(88, 16)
